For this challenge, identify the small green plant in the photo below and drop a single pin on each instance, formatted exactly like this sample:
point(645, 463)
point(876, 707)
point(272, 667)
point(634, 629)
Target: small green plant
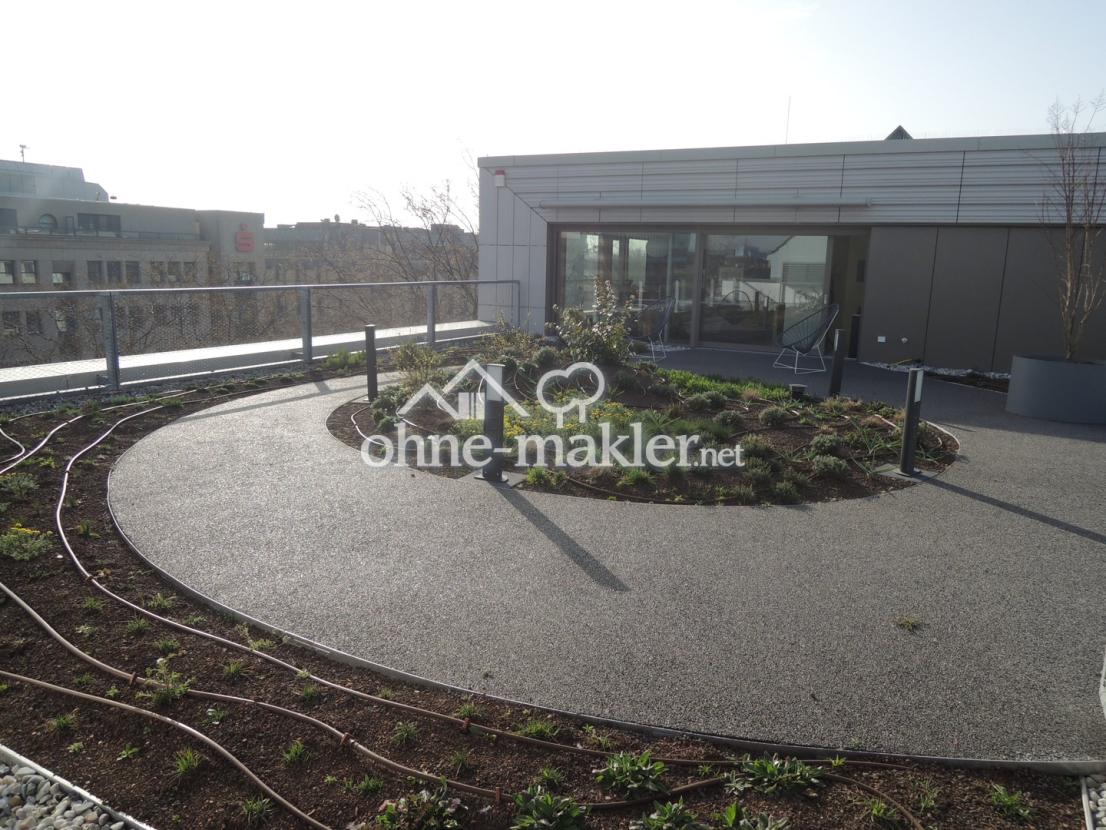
point(928, 798)
point(309, 693)
point(735, 817)
point(698, 402)
point(86, 530)
point(24, 543)
point(635, 775)
point(544, 477)
point(825, 444)
point(214, 716)
point(541, 728)
point(85, 630)
point(75, 748)
point(773, 775)
point(17, 486)
point(385, 693)
point(538, 809)
point(169, 686)
point(93, 605)
point(880, 812)
point(195, 620)
point(62, 723)
point(128, 752)
point(404, 733)
point(730, 418)
point(186, 762)
point(159, 602)
point(296, 753)
point(551, 778)
point(138, 625)
point(4, 688)
point(83, 680)
point(424, 810)
point(837, 761)
point(469, 710)
point(261, 644)
point(234, 670)
point(459, 762)
point(786, 492)
point(1010, 804)
point(367, 786)
point(774, 416)
point(255, 810)
point(670, 816)
point(829, 466)
point(593, 737)
point(753, 446)
point(907, 623)
point(167, 646)
point(635, 477)
point(112, 693)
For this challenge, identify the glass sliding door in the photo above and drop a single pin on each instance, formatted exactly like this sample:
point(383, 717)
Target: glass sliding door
point(642, 267)
point(754, 286)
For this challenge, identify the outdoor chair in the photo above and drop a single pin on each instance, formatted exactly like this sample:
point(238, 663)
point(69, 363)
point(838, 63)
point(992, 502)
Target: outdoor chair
point(650, 326)
point(804, 338)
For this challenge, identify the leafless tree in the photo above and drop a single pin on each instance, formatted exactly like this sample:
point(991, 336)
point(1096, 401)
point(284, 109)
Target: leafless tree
point(1075, 199)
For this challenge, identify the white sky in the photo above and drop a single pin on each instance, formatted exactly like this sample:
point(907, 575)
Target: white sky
point(292, 108)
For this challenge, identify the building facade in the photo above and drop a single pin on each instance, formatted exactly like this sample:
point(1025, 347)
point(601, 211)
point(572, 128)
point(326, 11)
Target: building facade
point(933, 248)
point(59, 232)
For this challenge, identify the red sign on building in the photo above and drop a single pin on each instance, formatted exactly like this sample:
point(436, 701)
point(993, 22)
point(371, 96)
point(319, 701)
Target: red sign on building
point(243, 240)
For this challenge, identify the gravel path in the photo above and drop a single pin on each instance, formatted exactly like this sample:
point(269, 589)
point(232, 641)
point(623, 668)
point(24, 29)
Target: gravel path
point(764, 623)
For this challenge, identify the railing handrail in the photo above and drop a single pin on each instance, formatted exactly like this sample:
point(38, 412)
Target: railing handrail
point(203, 289)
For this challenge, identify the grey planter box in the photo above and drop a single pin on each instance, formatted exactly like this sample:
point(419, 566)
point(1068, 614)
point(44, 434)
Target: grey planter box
point(1054, 389)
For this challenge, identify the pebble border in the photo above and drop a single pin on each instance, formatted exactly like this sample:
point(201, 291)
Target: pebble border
point(33, 798)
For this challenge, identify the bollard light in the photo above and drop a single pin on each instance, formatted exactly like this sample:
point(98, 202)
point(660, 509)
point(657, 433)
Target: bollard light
point(837, 369)
point(493, 422)
point(910, 422)
point(370, 362)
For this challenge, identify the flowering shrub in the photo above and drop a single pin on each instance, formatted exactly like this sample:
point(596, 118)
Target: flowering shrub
point(23, 543)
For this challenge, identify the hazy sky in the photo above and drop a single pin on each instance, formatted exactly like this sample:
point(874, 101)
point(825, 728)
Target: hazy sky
point(292, 108)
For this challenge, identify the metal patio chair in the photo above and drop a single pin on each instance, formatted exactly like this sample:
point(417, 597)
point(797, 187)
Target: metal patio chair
point(650, 326)
point(805, 337)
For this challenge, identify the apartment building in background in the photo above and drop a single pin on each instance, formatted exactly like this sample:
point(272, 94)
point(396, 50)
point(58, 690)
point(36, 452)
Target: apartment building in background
point(60, 232)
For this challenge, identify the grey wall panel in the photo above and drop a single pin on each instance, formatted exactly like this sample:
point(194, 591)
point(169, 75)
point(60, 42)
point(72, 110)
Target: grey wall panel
point(896, 295)
point(775, 177)
point(1029, 322)
point(489, 204)
point(964, 303)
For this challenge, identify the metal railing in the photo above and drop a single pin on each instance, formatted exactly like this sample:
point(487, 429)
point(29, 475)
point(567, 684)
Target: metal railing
point(67, 339)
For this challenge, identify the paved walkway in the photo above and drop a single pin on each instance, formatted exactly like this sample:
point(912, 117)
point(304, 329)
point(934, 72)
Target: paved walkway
point(762, 623)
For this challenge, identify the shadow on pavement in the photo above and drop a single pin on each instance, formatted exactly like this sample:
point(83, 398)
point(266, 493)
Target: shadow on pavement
point(584, 560)
point(1092, 535)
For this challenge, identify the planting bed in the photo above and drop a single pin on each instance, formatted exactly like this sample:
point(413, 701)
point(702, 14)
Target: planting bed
point(793, 450)
point(337, 743)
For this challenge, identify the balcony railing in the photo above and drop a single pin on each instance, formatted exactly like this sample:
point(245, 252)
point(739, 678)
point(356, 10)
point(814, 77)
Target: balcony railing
point(35, 230)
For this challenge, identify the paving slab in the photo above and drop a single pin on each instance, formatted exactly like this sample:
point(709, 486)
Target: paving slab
point(763, 623)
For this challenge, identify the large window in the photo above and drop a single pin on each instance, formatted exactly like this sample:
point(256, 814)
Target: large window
point(642, 267)
point(739, 287)
point(755, 286)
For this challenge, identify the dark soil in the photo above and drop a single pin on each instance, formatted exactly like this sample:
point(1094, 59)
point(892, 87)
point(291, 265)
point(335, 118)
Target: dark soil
point(92, 751)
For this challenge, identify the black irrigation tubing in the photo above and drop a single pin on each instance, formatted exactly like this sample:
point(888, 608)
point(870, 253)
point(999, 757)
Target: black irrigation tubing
point(342, 737)
point(464, 723)
point(182, 727)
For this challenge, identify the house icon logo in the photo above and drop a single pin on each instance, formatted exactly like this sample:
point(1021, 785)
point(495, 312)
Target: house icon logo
point(468, 404)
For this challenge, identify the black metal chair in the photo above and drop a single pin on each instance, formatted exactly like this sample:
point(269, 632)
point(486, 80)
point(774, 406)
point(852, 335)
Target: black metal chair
point(650, 326)
point(805, 337)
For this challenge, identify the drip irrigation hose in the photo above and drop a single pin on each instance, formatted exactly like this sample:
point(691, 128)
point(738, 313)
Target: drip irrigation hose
point(182, 727)
point(465, 724)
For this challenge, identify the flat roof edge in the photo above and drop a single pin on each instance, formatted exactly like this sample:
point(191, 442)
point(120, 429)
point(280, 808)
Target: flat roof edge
point(1039, 141)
